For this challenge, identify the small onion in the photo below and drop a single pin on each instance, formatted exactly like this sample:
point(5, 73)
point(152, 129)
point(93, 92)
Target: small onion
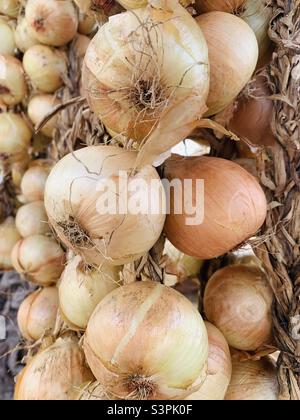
point(10, 7)
point(31, 219)
point(233, 202)
point(238, 301)
point(81, 43)
point(18, 169)
point(233, 54)
point(52, 22)
point(23, 39)
point(9, 236)
point(81, 289)
point(7, 41)
point(158, 348)
point(253, 380)
point(39, 258)
point(229, 6)
point(39, 106)
point(15, 134)
point(87, 24)
point(84, 180)
point(13, 88)
point(37, 313)
point(133, 4)
point(219, 367)
point(45, 67)
point(99, 8)
point(33, 183)
point(53, 373)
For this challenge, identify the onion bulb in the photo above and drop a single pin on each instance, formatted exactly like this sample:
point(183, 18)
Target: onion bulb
point(87, 24)
point(15, 134)
point(52, 22)
point(18, 170)
point(39, 258)
point(37, 313)
point(233, 54)
point(23, 38)
point(31, 219)
point(81, 43)
point(93, 211)
point(229, 6)
point(39, 106)
point(33, 183)
point(161, 66)
point(45, 67)
point(133, 4)
point(7, 40)
point(99, 8)
point(238, 301)
point(253, 380)
point(229, 211)
point(219, 367)
point(158, 348)
point(9, 236)
point(13, 88)
point(10, 8)
point(53, 373)
point(81, 289)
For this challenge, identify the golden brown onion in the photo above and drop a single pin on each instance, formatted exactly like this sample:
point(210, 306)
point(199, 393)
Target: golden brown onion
point(13, 88)
point(39, 106)
point(9, 236)
point(31, 219)
point(10, 7)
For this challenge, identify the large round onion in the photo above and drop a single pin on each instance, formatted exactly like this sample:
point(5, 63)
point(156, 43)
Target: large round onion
point(75, 196)
point(15, 134)
point(13, 86)
point(9, 236)
point(38, 107)
point(233, 54)
point(253, 380)
point(238, 301)
point(37, 313)
point(234, 206)
point(7, 40)
point(159, 344)
point(229, 6)
point(10, 7)
point(23, 38)
point(52, 22)
point(31, 219)
point(157, 60)
point(53, 373)
point(81, 289)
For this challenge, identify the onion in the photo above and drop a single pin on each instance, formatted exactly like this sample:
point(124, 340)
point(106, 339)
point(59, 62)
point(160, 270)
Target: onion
point(133, 4)
point(10, 7)
point(92, 392)
point(161, 71)
point(38, 107)
point(53, 373)
point(7, 41)
point(159, 344)
point(233, 206)
point(9, 236)
point(233, 54)
point(238, 301)
point(18, 170)
point(82, 288)
point(229, 6)
point(52, 22)
point(15, 134)
point(249, 164)
point(39, 258)
point(31, 219)
point(37, 313)
point(24, 40)
point(219, 367)
point(45, 67)
point(81, 44)
point(253, 380)
point(34, 181)
point(99, 8)
point(75, 196)
point(13, 86)
point(87, 24)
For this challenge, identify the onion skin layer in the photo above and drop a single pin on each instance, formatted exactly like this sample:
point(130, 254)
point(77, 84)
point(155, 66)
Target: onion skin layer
point(229, 6)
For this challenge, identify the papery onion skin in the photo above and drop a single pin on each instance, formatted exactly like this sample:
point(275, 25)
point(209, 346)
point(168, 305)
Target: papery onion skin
point(253, 380)
point(52, 22)
point(15, 134)
point(234, 206)
point(72, 198)
point(39, 258)
point(92, 392)
point(9, 236)
point(39, 106)
point(33, 183)
point(53, 373)
point(238, 300)
point(24, 40)
point(37, 313)
point(159, 346)
point(31, 219)
point(81, 289)
point(229, 6)
point(233, 54)
point(130, 91)
point(10, 7)
point(13, 88)
point(7, 39)
point(219, 367)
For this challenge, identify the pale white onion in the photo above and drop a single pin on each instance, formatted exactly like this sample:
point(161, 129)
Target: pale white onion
point(15, 134)
point(23, 39)
point(13, 88)
point(31, 219)
point(7, 41)
point(39, 106)
point(34, 181)
point(9, 236)
point(10, 7)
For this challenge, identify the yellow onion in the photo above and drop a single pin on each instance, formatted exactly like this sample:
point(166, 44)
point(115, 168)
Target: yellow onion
point(9, 236)
point(238, 300)
point(229, 6)
point(31, 219)
point(233, 54)
point(87, 24)
point(249, 164)
point(39, 258)
point(91, 391)
point(13, 86)
point(18, 169)
point(99, 8)
point(23, 39)
point(133, 4)
point(52, 22)
point(45, 67)
point(37, 313)
point(81, 289)
point(33, 183)
point(81, 43)
point(233, 206)
point(15, 134)
point(76, 194)
point(157, 67)
point(39, 106)
point(219, 367)
point(53, 373)
point(158, 348)
point(10, 7)
point(253, 380)
point(7, 41)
